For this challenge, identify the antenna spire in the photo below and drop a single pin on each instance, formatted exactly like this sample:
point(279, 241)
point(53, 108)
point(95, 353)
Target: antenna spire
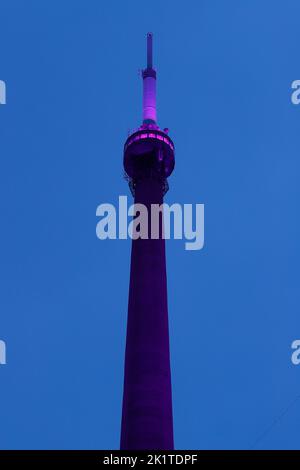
point(149, 86)
point(149, 50)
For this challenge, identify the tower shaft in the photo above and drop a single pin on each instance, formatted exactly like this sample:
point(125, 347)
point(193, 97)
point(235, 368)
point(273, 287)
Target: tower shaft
point(147, 399)
point(147, 403)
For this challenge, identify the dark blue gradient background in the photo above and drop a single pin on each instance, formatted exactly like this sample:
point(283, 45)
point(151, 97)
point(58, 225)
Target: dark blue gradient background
point(225, 70)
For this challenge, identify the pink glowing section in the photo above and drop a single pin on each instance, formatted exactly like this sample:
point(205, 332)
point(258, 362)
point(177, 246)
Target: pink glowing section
point(150, 135)
point(149, 98)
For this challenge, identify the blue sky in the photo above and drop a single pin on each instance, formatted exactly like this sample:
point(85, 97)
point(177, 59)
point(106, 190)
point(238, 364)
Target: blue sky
point(225, 70)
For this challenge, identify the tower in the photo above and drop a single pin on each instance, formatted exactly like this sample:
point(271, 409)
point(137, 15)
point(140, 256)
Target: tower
point(147, 421)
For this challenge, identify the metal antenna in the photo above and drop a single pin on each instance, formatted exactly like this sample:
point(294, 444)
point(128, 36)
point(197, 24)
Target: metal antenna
point(149, 50)
point(149, 86)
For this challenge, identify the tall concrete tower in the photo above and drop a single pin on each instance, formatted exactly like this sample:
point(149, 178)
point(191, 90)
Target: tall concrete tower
point(147, 421)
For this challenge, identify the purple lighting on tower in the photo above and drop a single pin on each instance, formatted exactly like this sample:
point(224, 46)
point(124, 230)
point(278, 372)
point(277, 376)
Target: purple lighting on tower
point(147, 421)
point(149, 85)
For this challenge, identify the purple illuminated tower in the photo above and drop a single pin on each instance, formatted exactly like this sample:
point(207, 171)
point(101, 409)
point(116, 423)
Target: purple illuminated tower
point(147, 421)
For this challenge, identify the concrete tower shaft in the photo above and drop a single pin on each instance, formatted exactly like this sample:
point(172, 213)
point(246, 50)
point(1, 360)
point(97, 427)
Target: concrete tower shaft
point(147, 399)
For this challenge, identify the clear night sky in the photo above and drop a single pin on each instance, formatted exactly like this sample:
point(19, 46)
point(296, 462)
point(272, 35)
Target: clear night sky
point(224, 74)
